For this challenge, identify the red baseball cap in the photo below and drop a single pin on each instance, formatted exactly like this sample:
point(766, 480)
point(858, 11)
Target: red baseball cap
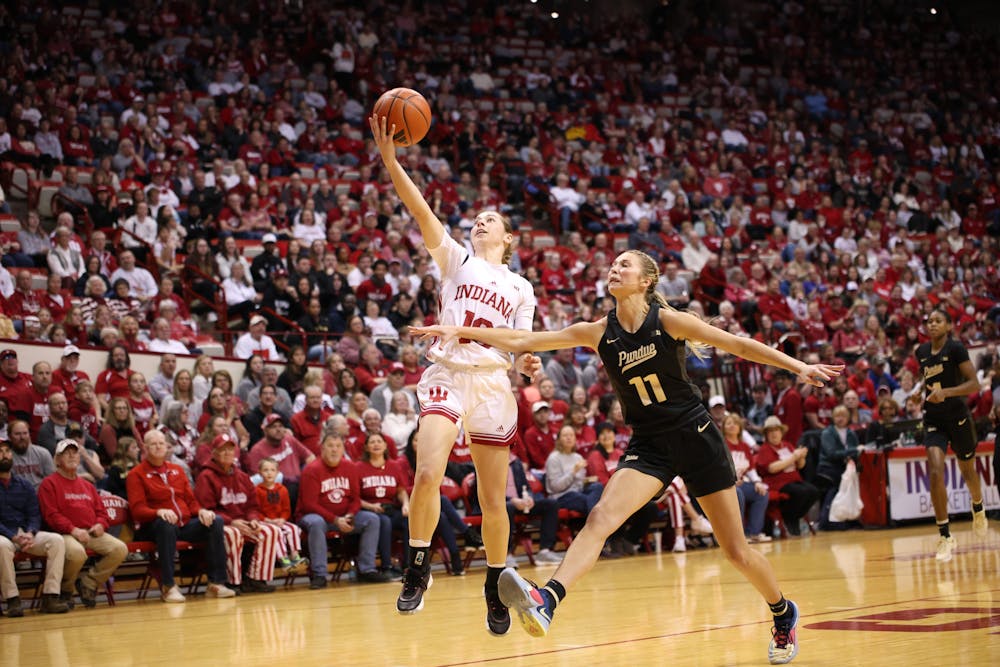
point(273, 418)
point(223, 440)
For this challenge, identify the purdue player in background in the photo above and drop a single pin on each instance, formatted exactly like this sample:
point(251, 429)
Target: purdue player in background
point(643, 346)
point(948, 378)
point(466, 384)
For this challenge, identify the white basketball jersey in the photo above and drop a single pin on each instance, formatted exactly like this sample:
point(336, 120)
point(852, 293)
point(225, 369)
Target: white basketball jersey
point(475, 293)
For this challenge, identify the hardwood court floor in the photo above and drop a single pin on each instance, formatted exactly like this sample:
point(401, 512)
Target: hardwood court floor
point(867, 598)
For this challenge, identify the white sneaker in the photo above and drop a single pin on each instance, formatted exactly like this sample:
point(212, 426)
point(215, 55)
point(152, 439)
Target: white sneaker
point(979, 524)
point(220, 591)
point(701, 526)
point(511, 561)
point(172, 594)
point(944, 548)
point(547, 556)
point(679, 545)
point(757, 539)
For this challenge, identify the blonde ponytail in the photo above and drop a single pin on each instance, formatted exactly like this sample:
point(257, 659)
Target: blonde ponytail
point(652, 271)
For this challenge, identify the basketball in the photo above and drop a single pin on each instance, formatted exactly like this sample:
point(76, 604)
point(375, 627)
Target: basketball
point(408, 111)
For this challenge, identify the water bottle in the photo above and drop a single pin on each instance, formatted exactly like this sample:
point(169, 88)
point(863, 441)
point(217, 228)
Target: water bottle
point(525, 496)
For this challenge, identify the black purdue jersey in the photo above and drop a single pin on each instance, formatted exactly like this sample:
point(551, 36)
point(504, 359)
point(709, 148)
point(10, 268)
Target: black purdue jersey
point(647, 370)
point(942, 370)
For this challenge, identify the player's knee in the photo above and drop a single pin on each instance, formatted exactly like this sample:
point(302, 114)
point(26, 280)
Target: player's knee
point(493, 505)
point(603, 520)
point(736, 552)
point(425, 477)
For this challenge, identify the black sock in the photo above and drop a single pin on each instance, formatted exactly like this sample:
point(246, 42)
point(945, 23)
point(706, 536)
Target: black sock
point(557, 589)
point(493, 578)
point(977, 507)
point(944, 529)
point(780, 607)
point(420, 557)
point(553, 592)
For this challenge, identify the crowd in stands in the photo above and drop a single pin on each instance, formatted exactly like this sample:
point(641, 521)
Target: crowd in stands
point(795, 173)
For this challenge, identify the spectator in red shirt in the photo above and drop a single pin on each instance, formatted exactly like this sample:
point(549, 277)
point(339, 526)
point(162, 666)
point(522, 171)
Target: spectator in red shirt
point(330, 500)
point(778, 463)
point(862, 384)
point(540, 437)
point(715, 186)
point(371, 370)
point(307, 424)
point(13, 383)
point(164, 505)
point(228, 491)
point(281, 446)
point(817, 408)
point(375, 287)
point(36, 398)
point(383, 492)
point(788, 404)
point(71, 506)
point(66, 377)
point(113, 381)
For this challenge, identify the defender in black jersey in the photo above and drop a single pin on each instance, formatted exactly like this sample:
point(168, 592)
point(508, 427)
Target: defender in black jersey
point(949, 377)
point(643, 344)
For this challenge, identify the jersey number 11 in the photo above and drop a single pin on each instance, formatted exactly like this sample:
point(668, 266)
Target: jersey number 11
point(654, 384)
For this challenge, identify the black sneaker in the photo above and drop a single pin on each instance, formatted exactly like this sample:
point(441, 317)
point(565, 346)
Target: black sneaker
point(51, 604)
point(457, 565)
point(67, 599)
point(257, 586)
point(14, 608)
point(88, 596)
point(473, 541)
point(393, 573)
point(316, 582)
point(497, 614)
point(374, 577)
point(416, 581)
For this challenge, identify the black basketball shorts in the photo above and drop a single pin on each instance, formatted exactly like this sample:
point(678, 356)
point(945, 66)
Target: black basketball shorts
point(960, 432)
point(696, 451)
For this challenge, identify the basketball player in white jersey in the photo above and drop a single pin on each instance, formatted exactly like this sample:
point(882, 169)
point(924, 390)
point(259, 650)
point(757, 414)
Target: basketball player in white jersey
point(467, 384)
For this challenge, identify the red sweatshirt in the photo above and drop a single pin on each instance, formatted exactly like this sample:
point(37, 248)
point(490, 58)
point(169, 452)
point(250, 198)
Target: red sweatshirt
point(329, 492)
point(163, 487)
point(70, 503)
point(230, 495)
point(275, 502)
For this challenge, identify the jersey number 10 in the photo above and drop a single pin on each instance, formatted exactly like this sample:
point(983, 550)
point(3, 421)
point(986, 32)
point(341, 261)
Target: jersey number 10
point(654, 384)
point(472, 321)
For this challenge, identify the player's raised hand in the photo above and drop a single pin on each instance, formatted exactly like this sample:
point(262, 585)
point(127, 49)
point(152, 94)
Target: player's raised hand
point(383, 136)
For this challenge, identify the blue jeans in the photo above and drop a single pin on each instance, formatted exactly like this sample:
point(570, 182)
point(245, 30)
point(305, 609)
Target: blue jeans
point(366, 524)
point(450, 524)
point(548, 511)
point(392, 519)
point(748, 496)
point(581, 501)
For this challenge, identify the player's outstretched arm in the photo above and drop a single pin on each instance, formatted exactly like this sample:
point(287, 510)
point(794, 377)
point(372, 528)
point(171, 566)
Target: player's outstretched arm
point(686, 326)
point(430, 227)
point(582, 334)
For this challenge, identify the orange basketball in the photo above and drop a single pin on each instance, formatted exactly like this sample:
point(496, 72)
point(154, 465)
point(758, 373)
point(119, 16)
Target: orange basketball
point(408, 111)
